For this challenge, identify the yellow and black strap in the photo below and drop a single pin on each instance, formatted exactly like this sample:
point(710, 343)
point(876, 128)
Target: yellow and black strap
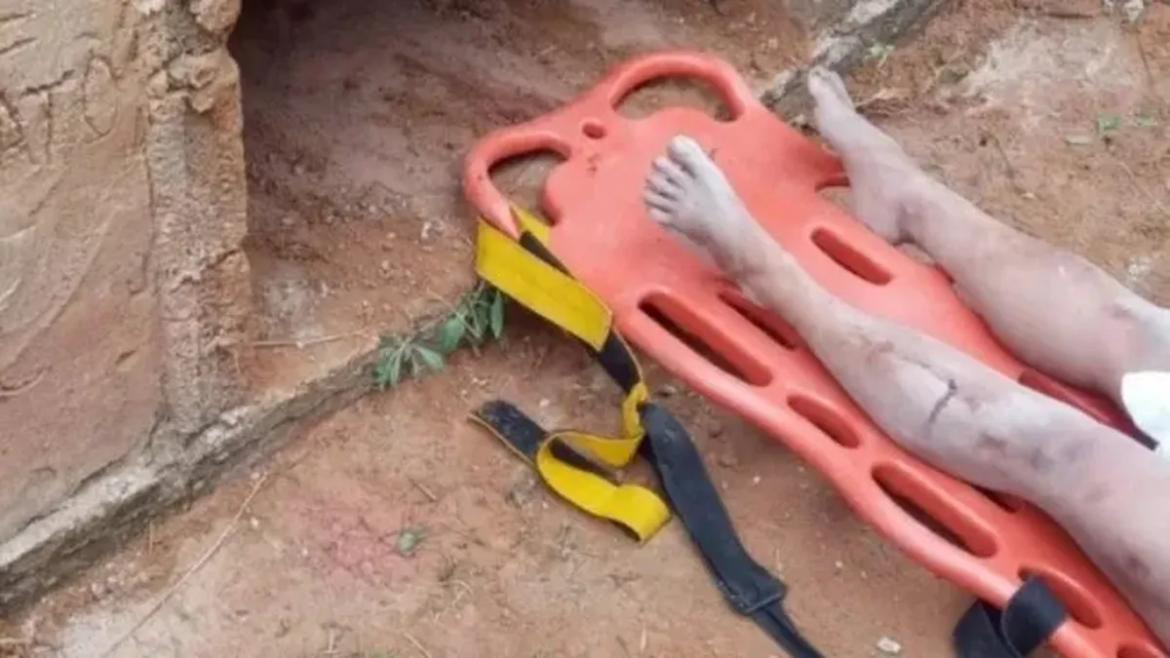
point(528, 273)
point(569, 461)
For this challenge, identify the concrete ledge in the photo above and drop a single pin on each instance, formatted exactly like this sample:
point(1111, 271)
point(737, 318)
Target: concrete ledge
point(118, 502)
point(843, 47)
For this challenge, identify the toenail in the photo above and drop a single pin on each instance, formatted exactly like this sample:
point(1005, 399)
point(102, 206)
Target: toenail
point(593, 129)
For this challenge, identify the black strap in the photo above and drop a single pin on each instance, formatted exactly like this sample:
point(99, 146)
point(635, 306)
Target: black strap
point(1145, 439)
point(524, 436)
point(522, 433)
point(749, 588)
point(614, 356)
point(1031, 616)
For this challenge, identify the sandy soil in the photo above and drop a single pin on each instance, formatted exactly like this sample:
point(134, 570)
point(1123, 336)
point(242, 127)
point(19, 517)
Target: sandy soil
point(1015, 108)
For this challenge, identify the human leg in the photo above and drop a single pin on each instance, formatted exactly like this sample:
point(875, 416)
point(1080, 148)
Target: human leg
point(1017, 283)
point(939, 403)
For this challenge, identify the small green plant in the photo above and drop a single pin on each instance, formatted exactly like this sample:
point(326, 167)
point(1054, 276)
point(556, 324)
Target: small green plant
point(476, 318)
point(1108, 124)
point(401, 358)
point(1142, 120)
point(408, 541)
point(879, 51)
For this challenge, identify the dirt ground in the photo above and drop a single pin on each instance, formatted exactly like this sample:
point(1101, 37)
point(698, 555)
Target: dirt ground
point(396, 528)
point(358, 114)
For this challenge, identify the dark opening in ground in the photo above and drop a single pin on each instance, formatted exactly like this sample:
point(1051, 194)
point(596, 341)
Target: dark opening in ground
point(358, 114)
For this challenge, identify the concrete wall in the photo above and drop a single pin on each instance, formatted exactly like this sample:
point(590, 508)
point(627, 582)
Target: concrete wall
point(122, 286)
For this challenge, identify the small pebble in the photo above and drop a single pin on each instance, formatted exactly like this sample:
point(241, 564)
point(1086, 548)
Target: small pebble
point(727, 459)
point(427, 228)
point(889, 646)
point(1133, 9)
point(715, 430)
point(523, 490)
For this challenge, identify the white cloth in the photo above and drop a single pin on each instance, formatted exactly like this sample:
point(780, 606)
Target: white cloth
point(1146, 396)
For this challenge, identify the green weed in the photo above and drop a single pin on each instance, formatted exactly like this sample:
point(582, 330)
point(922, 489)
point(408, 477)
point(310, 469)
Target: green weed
point(879, 51)
point(476, 318)
point(1143, 120)
point(1108, 124)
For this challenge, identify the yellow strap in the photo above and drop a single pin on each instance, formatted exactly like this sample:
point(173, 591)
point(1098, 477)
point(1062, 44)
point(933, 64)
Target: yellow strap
point(631, 419)
point(531, 223)
point(637, 508)
point(542, 288)
point(567, 303)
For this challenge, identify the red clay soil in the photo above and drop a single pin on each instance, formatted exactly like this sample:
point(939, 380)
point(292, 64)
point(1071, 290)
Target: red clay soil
point(358, 113)
point(395, 528)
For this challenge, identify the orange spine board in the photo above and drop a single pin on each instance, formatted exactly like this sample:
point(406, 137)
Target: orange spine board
point(693, 321)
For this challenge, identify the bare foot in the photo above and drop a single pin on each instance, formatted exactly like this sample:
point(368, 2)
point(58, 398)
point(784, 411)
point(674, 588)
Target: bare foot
point(881, 175)
point(688, 194)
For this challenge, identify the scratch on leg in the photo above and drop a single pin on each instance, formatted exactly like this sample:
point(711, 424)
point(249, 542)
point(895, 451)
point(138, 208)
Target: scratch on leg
point(952, 388)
